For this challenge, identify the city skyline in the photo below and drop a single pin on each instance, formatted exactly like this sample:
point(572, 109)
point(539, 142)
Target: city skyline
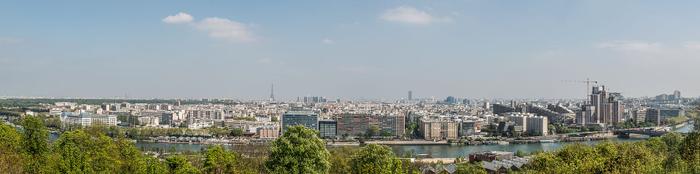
point(475, 49)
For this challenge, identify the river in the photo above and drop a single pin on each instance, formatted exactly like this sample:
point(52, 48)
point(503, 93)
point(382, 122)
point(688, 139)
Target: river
point(436, 151)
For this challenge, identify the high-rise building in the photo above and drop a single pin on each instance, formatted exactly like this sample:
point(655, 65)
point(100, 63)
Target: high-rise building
point(307, 119)
point(603, 107)
point(410, 95)
point(536, 125)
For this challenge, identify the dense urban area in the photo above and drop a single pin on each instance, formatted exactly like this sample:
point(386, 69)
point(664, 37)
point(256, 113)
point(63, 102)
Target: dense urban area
point(318, 135)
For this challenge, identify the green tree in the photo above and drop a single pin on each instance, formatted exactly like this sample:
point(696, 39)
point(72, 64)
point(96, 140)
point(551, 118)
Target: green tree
point(689, 151)
point(520, 153)
point(236, 132)
point(372, 131)
point(80, 152)
point(35, 142)
point(218, 160)
point(132, 160)
point(375, 159)
point(178, 164)
point(299, 150)
point(340, 159)
point(11, 155)
point(154, 165)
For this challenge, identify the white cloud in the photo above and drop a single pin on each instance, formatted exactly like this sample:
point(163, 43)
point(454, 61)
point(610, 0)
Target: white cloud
point(220, 28)
point(178, 18)
point(633, 46)
point(409, 15)
point(223, 28)
point(327, 41)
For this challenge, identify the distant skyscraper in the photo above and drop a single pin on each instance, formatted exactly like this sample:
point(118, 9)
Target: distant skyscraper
point(410, 95)
point(677, 94)
point(272, 92)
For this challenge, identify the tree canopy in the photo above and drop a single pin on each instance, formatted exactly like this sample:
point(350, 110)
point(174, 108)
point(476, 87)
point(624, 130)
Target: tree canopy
point(375, 159)
point(299, 150)
point(218, 160)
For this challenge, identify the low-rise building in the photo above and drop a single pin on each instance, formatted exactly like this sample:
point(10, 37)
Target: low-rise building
point(87, 119)
point(327, 128)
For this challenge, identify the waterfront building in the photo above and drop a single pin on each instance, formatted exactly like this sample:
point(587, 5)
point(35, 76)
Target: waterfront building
point(654, 116)
point(536, 125)
point(307, 119)
point(469, 127)
point(671, 112)
point(607, 108)
point(439, 128)
point(530, 123)
point(327, 128)
point(639, 115)
point(357, 124)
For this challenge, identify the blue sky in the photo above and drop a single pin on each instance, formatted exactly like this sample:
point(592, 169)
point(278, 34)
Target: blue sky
point(347, 49)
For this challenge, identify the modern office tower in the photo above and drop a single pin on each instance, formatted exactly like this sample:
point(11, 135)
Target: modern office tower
point(357, 124)
point(410, 95)
point(607, 107)
point(307, 119)
point(536, 125)
point(451, 100)
point(439, 128)
point(639, 115)
point(327, 128)
point(654, 116)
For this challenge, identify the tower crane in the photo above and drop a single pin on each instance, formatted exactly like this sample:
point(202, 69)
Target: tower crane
point(588, 83)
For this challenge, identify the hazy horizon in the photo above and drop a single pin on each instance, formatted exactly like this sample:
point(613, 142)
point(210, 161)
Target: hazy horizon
point(356, 49)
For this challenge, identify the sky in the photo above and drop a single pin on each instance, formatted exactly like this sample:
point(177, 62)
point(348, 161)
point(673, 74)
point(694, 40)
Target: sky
point(347, 49)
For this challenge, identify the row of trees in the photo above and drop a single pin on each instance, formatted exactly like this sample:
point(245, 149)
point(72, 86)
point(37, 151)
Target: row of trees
point(91, 150)
point(300, 150)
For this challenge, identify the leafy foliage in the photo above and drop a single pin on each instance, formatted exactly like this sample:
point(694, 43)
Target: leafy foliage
point(11, 155)
point(375, 159)
point(299, 150)
point(35, 143)
point(218, 160)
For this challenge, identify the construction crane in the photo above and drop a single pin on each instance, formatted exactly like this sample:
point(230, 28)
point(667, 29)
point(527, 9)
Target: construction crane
point(588, 83)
